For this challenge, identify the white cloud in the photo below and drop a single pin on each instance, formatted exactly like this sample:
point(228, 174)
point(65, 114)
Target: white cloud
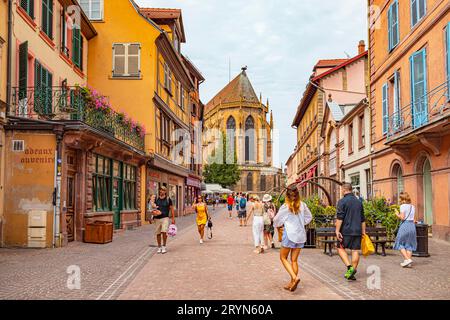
point(279, 41)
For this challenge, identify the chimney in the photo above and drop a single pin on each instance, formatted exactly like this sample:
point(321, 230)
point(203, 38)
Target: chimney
point(361, 47)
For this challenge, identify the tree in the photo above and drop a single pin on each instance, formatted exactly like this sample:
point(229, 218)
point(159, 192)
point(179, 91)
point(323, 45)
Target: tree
point(219, 169)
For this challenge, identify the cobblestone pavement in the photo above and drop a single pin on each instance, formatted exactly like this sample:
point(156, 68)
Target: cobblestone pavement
point(222, 268)
point(105, 269)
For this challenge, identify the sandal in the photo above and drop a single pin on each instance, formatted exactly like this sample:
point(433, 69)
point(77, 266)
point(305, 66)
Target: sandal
point(294, 285)
point(289, 285)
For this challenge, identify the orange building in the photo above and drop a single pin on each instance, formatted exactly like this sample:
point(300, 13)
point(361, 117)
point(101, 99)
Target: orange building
point(409, 97)
point(70, 158)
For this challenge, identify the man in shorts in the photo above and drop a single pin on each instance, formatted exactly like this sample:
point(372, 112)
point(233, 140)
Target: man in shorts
point(242, 213)
point(350, 226)
point(164, 206)
point(230, 202)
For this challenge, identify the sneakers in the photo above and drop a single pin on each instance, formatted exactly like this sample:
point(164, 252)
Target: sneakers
point(201, 241)
point(406, 263)
point(163, 250)
point(159, 250)
point(350, 273)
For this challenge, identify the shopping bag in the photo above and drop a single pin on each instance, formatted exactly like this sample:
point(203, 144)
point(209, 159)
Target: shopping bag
point(172, 230)
point(367, 247)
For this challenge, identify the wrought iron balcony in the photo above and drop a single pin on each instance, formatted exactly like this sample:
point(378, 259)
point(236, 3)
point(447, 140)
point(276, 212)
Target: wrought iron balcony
point(429, 109)
point(70, 104)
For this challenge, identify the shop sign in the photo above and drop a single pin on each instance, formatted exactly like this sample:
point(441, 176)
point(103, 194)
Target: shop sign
point(193, 182)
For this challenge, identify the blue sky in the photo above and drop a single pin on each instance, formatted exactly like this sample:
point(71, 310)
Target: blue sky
point(279, 41)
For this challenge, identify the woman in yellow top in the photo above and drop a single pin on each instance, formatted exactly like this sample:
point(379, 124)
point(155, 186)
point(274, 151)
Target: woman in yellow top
point(201, 209)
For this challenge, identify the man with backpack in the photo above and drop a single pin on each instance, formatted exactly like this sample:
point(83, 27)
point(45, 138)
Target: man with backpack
point(242, 215)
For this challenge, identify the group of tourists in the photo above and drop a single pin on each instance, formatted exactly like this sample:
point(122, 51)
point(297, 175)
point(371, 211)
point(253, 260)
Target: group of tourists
point(291, 221)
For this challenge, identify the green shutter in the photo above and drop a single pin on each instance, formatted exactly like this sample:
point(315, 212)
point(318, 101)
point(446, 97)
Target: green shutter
point(23, 70)
point(76, 46)
point(47, 17)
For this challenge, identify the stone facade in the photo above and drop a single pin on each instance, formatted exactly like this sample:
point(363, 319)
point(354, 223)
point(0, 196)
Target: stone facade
point(237, 113)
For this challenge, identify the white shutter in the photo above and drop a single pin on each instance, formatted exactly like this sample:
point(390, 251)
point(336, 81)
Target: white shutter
point(133, 63)
point(118, 60)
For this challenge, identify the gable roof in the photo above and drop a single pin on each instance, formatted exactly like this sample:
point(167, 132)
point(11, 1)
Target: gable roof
point(336, 110)
point(329, 63)
point(162, 15)
point(233, 91)
point(311, 87)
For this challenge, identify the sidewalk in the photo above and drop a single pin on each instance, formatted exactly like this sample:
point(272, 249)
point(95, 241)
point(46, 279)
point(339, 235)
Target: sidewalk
point(105, 269)
point(222, 268)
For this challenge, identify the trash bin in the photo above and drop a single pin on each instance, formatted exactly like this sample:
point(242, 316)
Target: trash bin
point(422, 240)
point(98, 232)
point(310, 238)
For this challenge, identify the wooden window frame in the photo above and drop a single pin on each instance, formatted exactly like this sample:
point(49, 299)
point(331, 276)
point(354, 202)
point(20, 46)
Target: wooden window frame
point(88, 12)
point(350, 138)
point(126, 55)
point(391, 25)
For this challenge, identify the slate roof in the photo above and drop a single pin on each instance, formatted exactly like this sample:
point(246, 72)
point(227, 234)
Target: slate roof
point(232, 92)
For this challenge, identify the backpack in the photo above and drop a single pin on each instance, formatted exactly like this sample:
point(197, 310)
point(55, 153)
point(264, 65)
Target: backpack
point(243, 203)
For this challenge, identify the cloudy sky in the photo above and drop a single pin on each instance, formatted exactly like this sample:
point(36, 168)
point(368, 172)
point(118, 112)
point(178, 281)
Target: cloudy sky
point(279, 41)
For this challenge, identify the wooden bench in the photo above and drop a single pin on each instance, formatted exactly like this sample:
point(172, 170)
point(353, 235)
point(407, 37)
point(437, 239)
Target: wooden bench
point(378, 235)
point(329, 235)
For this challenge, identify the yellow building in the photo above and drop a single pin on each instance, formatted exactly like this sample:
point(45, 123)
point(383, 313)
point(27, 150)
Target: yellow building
point(237, 112)
point(136, 60)
point(3, 100)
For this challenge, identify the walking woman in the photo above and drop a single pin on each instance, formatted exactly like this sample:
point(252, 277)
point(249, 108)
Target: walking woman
point(257, 210)
point(406, 240)
point(201, 209)
point(294, 215)
point(269, 214)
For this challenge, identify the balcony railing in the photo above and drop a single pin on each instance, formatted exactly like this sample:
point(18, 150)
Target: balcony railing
point(71, 104)
point(431, 107)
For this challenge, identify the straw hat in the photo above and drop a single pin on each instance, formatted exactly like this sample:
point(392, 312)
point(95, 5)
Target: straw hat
point(255, 197)
point(267, 198)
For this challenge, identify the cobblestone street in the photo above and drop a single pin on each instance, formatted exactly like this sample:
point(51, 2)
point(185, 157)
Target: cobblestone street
point(222, 268)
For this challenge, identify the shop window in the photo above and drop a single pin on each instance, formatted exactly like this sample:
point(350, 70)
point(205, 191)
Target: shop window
point(101, 182)
point(129, 183)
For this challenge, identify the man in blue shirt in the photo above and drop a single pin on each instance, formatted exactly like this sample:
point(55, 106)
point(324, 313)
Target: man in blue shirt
point(350, 226)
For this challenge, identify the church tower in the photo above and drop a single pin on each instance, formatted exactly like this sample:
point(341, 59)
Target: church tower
point(238, 113)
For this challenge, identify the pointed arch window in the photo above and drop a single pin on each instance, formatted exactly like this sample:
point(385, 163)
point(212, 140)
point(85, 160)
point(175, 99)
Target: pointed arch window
point(262, 183)
point(249, 139)
point(231, 139)
point(249, 181)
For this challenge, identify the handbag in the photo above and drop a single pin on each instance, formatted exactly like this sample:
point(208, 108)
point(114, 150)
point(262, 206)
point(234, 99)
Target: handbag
point(209, 231)
point(172, 230)
point(367, 247)
point(148, 216)
point(398, 228)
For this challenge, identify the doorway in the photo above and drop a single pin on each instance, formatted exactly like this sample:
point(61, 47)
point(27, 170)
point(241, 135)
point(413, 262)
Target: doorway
point(117, 194)
point(427, 193)
point(70, 194)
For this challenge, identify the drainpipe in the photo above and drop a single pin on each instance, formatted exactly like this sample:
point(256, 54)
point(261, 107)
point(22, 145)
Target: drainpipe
point(9, 55)
point(369, 99)
point(57, 239)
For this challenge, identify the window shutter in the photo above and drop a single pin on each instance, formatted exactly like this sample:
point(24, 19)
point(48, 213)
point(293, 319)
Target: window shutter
point(31, 8)
point(397, 111)
point(133, 60)
point(63, 31)
point(385, 108)
point(414, 16)
point(81, 52)
point(390, 28)
point(448, 61)
point(76, 46)
point(23, 70)
point(45, 16)
point(118, 60)
point(50, 18)
point(418, 88)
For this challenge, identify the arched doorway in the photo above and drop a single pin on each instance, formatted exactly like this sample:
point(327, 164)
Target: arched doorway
point(427, 193)
point(249, 139)
point(249, 181)
point(398, 184)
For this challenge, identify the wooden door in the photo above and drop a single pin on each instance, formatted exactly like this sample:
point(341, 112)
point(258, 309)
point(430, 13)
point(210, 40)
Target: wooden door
point(70, 194)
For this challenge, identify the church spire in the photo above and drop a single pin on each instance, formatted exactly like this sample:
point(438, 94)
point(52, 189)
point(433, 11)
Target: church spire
point(271, 117)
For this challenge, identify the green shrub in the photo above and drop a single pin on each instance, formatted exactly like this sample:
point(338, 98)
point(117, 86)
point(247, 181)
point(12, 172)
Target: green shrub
point(378, 212)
